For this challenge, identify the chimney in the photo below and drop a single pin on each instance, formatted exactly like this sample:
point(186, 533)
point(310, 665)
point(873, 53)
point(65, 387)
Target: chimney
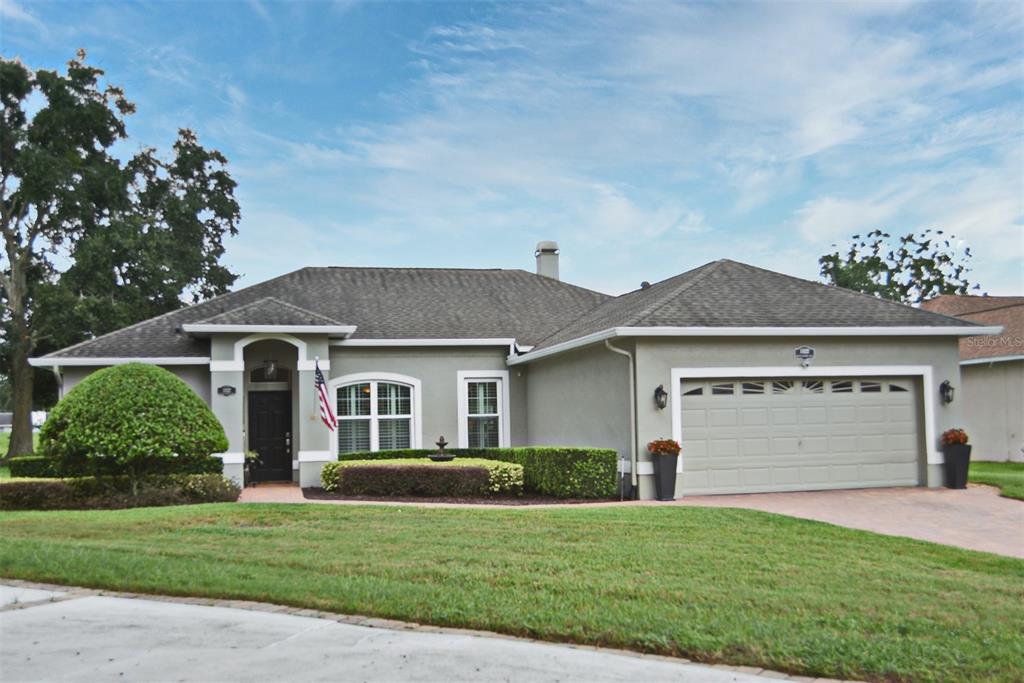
point(547, 259)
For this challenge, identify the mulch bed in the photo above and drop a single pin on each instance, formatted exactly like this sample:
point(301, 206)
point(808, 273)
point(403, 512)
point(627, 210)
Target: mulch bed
point(320, 494)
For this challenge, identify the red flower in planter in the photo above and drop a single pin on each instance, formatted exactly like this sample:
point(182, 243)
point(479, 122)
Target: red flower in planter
point(953, 437)
point(664, 447)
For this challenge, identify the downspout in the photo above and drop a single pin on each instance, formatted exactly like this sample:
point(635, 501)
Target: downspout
point(60, 380)
point(632, 416)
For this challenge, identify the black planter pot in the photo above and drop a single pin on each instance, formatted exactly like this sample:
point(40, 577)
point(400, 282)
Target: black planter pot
point(957, 459)
point(665, 476)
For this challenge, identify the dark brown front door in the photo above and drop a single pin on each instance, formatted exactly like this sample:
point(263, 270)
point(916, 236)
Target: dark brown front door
point(270, 434)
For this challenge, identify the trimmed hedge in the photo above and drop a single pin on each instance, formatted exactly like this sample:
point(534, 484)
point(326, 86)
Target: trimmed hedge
point(36, 466)
point(42, 467)
point(502, 477)
point(547, 470)
point(108, 493)
point(134, 420)
point(383, 479)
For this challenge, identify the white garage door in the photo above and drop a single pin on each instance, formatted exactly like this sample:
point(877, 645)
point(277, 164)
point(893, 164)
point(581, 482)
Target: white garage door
point(759, 434)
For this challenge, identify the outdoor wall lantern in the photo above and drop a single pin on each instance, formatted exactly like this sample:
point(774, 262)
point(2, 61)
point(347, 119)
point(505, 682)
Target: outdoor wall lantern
point(269, 369)
point(660, 397)
point(946, 391)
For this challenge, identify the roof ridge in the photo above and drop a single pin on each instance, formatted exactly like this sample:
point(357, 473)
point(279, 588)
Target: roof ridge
point(664, 300)
point(274, 299)
point(611, 300)
point(133, 326)
point(843, 289)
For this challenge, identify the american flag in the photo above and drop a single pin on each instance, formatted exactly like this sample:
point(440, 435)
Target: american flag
point(326, 414)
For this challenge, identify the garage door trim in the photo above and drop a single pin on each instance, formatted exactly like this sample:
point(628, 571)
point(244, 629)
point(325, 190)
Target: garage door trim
point(922, 371)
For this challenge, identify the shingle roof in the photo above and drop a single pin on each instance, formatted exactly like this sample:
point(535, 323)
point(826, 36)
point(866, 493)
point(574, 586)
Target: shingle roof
point(729, 294)
point(1007, 311)
point(270, 311)
point(384, 303)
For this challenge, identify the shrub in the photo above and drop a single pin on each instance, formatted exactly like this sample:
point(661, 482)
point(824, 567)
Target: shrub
point(134, 420)
point(560, 472)
point(94, 493)
point(502, 477)
point(40, 466)
point(388, 479)
point(32, 466)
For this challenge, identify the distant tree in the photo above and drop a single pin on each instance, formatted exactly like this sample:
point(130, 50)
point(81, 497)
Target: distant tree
point(910, 268)
point(92, 242)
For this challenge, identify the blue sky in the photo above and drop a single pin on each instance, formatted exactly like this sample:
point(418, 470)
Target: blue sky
point(645, 138)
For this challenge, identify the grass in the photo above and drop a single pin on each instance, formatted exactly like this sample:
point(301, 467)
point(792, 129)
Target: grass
point(715, 585)
point(5, 440)
point(1008, 476)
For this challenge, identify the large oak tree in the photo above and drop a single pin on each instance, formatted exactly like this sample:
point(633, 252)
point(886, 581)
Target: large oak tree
point(908, 268)
point(93, 241)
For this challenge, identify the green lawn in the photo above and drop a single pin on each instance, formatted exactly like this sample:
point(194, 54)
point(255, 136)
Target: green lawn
point(5, 440)
point(1008, 476)
point(717, 585)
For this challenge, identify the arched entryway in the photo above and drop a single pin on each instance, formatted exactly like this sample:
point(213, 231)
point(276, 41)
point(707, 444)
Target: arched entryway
point(271, 409)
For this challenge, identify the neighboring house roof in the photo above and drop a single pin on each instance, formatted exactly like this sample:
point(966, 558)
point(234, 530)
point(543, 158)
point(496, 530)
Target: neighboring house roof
point(1007, 311)
point(383, 303)
point(727, 294)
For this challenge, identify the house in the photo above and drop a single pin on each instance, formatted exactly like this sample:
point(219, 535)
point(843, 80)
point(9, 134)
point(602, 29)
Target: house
point(771, 383)
point(991, 373)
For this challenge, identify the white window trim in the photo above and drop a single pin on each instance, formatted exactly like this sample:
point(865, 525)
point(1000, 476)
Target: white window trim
point(416, 421)
point(504, 412)
point(925, 372)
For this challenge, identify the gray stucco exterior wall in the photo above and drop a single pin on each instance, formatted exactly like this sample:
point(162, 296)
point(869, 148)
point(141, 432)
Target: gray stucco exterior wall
point(993, 398)
point(196, 376)
point(437, 369)
point(579, 398)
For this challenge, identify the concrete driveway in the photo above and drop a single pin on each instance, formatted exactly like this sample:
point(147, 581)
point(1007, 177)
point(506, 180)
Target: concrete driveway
point(976, 518)
point(79, 635)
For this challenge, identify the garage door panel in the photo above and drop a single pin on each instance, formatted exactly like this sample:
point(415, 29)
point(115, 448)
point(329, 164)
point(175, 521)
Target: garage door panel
point(754, 417)
point(813, 415)
point(763, 435)
point(724, 448)
point(723, 417)
point(694, 418)
point(753, 447)
point(784, 416)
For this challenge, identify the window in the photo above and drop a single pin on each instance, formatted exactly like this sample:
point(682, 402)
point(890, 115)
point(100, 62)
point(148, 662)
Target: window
point(842, 387)
point(722, 389)
point(782, 387)
point(482, 414)
point(896, 388)
point(871, 387)
point(753, 387)
point(814, 386)
point(259, 375)
point(375, 415)
point(483, 409)
point(696, 391)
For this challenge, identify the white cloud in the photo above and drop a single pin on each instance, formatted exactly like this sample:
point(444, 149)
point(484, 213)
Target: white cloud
point(12, 11)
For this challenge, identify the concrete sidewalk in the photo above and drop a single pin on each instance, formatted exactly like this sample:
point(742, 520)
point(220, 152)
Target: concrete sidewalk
point(79, 635)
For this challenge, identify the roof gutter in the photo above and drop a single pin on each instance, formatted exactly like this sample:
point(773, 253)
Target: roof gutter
point(632, 415)
point(992, 359)
point(70, 361)
point(332, 330)
point(610, 333)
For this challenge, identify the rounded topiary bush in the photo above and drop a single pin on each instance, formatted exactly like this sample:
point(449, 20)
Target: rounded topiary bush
point(132, 419)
